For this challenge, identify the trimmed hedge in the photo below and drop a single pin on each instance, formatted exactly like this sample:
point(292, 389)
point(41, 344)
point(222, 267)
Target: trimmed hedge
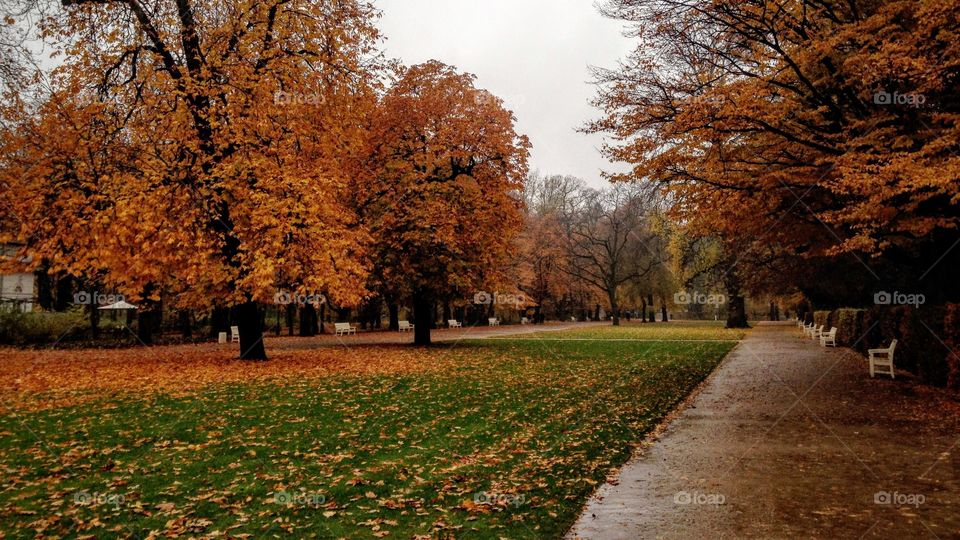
point(928, 337)
point(17, 328)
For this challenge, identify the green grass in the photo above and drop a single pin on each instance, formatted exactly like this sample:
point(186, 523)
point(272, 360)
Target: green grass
point(679, 331)
point(538, 422)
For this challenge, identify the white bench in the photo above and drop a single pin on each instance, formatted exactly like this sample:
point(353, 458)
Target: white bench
point(234, 334)
point(816, 332)
point(883, 359)
point(524, 320)
point(344, 329)
point(453, 323)
point(493, 322)
point(405, 326)
point(829, 338)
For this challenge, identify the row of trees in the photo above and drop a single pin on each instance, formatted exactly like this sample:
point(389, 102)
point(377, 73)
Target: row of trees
point(581, 242)
point(219, 151)
point(813, 144)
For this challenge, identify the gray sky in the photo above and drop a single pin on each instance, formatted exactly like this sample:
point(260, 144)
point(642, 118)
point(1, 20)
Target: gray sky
point(534, 54)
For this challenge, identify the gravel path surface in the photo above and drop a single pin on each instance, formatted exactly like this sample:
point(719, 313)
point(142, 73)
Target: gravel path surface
point(790, 440)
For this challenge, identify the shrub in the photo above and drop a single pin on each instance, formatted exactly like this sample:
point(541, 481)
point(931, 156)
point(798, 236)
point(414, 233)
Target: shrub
point(821, 317)
point(849, 323)
point(18, 328)
point(951, 337)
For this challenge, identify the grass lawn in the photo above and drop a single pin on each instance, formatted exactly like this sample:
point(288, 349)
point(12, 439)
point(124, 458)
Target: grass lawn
point(487, 439)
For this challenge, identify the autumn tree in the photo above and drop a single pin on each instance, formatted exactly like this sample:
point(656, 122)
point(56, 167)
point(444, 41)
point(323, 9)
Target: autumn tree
point(542, 265)
point(609, 238)
point(200, 146)
point(442, 193)
point(815, 128)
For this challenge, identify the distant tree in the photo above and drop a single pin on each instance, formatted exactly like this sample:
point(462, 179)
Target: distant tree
point(609, 238)
point(442, 193)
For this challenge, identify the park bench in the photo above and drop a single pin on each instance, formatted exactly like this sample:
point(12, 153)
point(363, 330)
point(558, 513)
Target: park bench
point(808, 329)
point(344, 329)
point(883, 359)
point(524, 320)
point(453, 323)
point(405, 326)
point(829, 338)
point(493, 322)
point(234, 334)
point(816, 332)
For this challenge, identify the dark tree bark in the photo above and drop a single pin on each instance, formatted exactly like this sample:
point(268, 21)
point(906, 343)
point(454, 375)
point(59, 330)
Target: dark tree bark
point(614, 308)
point(185, 323)
point(423, 313)
point(663, 312)
point(323, 316)
point(147, 321)
point(247, 319)
point(291, 315)
point(44, 287)
point(643, 309)
point(308, 321)
point(219, 321)
point(94, 321)
point(64, 295)
point(736, 303)
point(394, 317)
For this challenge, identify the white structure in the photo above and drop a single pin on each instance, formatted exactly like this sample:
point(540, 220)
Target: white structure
point(881, 360)
point(344, 329)
point(16, 290)
point(405, 326)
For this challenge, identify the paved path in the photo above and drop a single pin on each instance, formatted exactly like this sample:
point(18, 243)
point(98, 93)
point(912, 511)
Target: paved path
point(794, 441)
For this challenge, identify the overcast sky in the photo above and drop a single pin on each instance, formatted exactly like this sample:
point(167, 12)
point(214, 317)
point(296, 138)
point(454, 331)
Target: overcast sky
point(535, 54)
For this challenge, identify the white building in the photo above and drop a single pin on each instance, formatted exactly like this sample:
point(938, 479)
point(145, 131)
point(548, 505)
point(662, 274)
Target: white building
point(17, 290)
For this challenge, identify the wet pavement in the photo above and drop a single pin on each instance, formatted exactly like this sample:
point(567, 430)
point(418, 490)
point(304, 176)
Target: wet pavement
point(790, 440)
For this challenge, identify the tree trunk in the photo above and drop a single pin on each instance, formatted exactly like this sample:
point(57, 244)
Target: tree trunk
point(663, 311)
point(423, 313)
point(291, 316)
point(394, 317)
point(147, 321)
point(247, 318)
point(94, 320)
point(44, 288)
point(736, 304)
point(185, 322)
point(308, 320)
point(219, 321)
point(614, 308)
point(64, 293)
point(323, 315)
point(643, 310)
